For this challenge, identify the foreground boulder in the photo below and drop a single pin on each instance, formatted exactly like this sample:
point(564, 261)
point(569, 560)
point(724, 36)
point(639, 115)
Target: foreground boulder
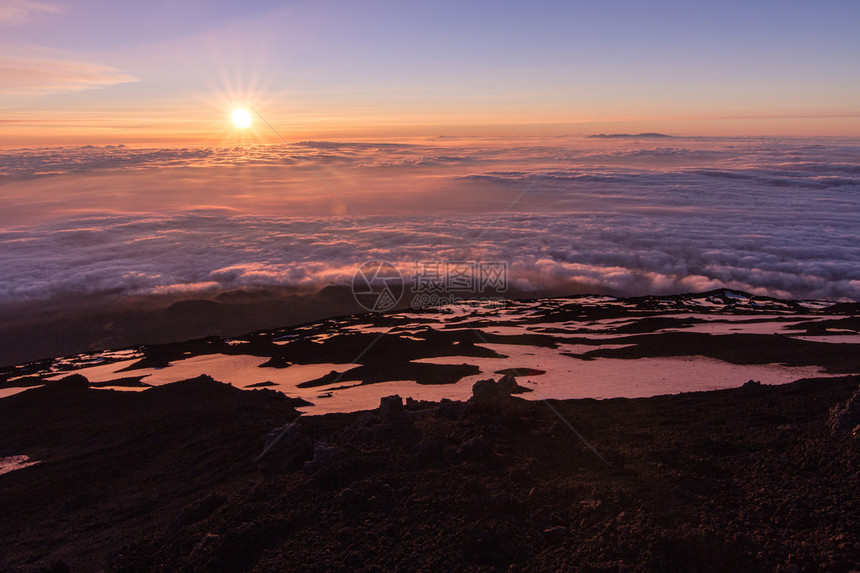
point(489, 392)
point(845, 418)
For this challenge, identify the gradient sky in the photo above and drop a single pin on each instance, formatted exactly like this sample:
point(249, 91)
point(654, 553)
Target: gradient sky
point(96, 71)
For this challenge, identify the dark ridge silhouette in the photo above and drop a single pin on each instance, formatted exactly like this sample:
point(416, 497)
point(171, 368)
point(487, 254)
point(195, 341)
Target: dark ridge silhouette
point(630, 136)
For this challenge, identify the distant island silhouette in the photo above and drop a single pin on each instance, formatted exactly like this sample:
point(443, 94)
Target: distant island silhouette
point(628, 135)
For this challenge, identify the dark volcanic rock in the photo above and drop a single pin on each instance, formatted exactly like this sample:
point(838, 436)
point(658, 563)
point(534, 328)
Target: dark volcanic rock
point(490, 392)
point(348, 497)
point(73, 383)
point(747, 479)
point(845, 418)
point(261, 384)
point(391, 409)
point(521, 372)
point(276, 362)
point(287, 448)
point(324, 455)
point(509, 384)
point(198, 510)
point(124, 382)
point(476, 446)
point(449, 409)
point(428, 449)
point(555, 534)
point(484, 391)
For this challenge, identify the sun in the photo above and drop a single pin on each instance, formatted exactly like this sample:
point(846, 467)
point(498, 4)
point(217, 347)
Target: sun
point(242, 118)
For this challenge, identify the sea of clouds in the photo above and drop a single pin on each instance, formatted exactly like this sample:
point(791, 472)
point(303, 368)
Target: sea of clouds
point(629, 216)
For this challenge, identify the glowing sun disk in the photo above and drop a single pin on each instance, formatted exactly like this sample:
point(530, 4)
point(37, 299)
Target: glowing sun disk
point(242, 118)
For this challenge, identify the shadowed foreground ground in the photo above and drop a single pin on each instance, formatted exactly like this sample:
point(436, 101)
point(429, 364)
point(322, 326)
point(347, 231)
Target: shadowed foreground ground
point(166, 480)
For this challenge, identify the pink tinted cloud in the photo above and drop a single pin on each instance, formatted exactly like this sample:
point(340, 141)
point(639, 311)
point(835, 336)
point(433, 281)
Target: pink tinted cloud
point(33, 76)
point(14, 12)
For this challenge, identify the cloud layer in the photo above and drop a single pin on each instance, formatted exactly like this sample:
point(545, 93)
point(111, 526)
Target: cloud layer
point(776, 217)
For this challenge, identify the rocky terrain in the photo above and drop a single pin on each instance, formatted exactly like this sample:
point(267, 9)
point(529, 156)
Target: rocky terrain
point(111, 461)
point(573, 347)
point(754, 478)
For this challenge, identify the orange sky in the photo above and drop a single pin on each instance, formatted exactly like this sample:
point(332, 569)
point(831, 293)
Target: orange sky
point(99, 72)
point(214, 128)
